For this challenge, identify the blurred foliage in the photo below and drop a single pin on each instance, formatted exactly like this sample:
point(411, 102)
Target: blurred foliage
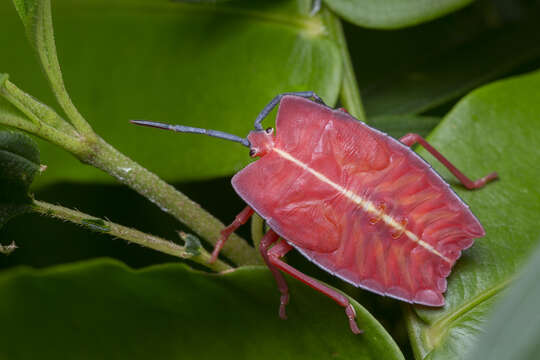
point(414, 70)
point(500, 340)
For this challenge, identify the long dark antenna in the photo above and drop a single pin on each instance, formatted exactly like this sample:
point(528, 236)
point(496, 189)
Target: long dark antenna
point(194, 130)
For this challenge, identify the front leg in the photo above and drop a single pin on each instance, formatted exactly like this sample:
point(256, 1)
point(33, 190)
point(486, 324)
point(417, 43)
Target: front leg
point(240, 220)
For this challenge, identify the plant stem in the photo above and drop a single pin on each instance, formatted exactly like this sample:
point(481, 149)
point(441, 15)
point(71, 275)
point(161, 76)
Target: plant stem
point(350, 93)
point(132, 235)
point(257, 229)
point(43, 36)
point(146, 183)
point(40, 120)
point(93, 150)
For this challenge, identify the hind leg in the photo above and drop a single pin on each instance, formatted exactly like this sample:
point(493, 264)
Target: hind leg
point(273, 259)
point(411, 139)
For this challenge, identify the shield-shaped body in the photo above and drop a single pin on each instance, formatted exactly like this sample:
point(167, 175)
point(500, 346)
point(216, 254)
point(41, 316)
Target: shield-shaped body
point(358, 203)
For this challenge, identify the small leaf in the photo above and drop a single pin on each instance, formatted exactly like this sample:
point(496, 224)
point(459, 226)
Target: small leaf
point(516, 313)
point(19, 157)
point(495, 128)
point(392, 14)
point(19, 163)
point(192, 244)
point(171, 312)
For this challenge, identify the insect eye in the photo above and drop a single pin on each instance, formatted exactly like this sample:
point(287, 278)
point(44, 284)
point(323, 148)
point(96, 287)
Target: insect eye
point(269, 130)
point(252, 152)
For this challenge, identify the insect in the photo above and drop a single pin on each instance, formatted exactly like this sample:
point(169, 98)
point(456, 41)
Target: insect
point(356, 202)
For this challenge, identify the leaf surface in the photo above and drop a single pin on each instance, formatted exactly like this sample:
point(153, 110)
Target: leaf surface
point(514, 327)
point(495, 128)
point(392, 14)
point(102, 309)
point(204, 65)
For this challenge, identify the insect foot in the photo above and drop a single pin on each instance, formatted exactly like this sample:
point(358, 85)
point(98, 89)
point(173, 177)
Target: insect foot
point(284, 300)
point(351, 315)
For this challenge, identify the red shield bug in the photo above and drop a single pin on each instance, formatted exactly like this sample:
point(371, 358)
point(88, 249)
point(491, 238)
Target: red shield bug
point(356, 202)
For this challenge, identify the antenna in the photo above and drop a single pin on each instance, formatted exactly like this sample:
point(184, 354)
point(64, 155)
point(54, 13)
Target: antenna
point(193, 130)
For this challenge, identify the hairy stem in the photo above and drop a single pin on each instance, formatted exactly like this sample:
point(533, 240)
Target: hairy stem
point(350, 93)
point(126, 233)
point(257, 229)
point(170, 200)
point(40, 120)
point(46, 49)
point(93, 150)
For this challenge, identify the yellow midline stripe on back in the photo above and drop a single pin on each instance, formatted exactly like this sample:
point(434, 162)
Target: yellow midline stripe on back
point(366, 205)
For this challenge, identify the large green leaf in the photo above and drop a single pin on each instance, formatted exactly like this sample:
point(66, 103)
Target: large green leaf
point(392, 14)
point(102, 309)
point(514, 329)
point(205, 65)
point(495, 128)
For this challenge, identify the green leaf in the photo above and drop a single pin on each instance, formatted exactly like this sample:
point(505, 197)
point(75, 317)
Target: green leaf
point(517, 313)
point(192, 243)
point(19, 163)
point(102, 309)
point(393, 14)
point(205, 65)
point(495, 128)
point(414, 70)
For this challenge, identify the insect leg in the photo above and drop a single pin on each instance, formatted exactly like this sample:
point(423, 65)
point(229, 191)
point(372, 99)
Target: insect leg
point(268, 239)
point(274, 258)
point(411, 139)
point(272, 104)
point(225, 233)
